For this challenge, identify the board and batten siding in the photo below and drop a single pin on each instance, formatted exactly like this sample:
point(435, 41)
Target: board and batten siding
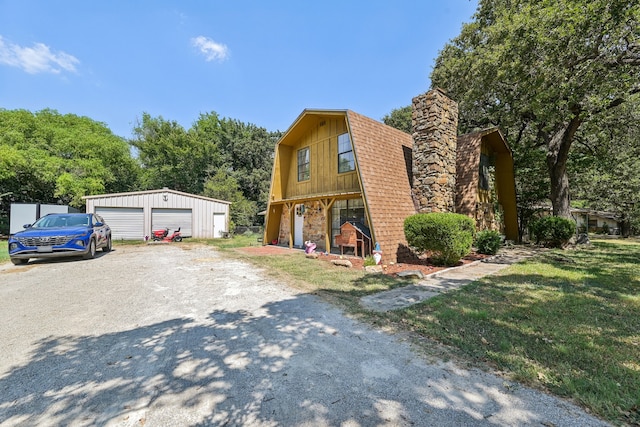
point(203, 209)
point(322, 141)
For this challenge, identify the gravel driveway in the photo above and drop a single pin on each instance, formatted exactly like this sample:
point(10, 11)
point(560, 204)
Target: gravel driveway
point(168, 336)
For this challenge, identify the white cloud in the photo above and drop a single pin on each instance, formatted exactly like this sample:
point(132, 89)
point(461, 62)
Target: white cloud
point(36, 59)
point(211, 50)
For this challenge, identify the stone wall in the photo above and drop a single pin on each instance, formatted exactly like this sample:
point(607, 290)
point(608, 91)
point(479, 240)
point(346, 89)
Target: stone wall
point(285, 226)
point(435, 132)
point(314, 225)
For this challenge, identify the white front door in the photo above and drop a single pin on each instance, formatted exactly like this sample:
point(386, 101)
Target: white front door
point(219, 224)
point(298, 225)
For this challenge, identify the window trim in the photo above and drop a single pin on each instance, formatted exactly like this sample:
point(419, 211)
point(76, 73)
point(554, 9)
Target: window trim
point(302, 176)
point(352, 161)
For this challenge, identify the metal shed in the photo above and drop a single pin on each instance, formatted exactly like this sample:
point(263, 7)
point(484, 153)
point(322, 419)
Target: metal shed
point(132, 216)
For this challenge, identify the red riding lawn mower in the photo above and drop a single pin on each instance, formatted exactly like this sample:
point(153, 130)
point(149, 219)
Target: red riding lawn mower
point(163, 235)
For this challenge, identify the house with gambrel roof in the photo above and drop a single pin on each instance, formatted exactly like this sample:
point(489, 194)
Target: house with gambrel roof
point(337, 166)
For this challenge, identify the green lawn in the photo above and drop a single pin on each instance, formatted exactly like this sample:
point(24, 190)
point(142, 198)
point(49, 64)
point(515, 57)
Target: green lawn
point(4, 251)
point(565, 321)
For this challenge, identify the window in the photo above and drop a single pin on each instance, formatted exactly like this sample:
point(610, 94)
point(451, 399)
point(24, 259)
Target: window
point(346, 210)
point(303, 164)
point(345, 154)
point(486, 170)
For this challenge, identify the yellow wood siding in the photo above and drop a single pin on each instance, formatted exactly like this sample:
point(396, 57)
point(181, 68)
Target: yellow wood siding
point(322, 141)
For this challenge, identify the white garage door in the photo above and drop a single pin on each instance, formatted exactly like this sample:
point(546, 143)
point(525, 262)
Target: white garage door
point(125, 223)
point(172, 219)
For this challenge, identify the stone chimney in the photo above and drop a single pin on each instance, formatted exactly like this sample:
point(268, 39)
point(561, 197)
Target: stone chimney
point(435, 133)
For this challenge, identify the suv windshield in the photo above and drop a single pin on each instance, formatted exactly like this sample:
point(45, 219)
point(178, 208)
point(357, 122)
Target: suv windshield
point(50, 221)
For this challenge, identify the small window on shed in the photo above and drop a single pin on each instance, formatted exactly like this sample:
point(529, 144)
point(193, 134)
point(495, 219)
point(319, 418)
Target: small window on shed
point(486, 169)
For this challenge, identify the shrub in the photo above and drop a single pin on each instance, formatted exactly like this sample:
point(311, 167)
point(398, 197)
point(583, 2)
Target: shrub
point(553, 231)
point(488, 242)
point(448, 235)
point(369, 261)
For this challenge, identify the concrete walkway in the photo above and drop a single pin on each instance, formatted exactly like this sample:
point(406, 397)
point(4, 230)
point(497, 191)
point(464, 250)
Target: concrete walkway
point(444, 281)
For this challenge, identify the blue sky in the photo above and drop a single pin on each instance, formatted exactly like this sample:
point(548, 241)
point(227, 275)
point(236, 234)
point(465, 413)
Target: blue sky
point(260, 62)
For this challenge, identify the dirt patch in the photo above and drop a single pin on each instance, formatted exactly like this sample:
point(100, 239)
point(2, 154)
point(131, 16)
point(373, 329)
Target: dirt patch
point(424, 263)
point(268, 250)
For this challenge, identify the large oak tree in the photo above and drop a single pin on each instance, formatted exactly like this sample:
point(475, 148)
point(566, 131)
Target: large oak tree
point(541, 70)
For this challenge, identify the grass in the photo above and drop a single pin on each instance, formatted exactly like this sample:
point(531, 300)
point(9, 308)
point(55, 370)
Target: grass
point(238, 241)
point(564, 321)
point(4, 251)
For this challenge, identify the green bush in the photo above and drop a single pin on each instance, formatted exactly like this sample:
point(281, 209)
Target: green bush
point(369, 261)
point(448, 235)
point(553, 231)
point(488, 242)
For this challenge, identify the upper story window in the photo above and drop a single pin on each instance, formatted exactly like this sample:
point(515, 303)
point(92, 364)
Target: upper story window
point(303, 164)
point(345, 154)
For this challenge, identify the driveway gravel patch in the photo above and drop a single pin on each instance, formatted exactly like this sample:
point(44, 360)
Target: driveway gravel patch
point(175, 335)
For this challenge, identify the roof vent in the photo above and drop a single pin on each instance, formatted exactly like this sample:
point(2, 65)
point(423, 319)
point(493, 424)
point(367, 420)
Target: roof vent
point(322, 123)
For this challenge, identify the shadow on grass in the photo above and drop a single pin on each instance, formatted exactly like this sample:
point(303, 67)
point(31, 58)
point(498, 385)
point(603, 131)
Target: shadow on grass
point(575, 339)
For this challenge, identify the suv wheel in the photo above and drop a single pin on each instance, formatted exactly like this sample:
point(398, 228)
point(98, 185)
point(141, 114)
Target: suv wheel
point(107, 247)
point(92, 250)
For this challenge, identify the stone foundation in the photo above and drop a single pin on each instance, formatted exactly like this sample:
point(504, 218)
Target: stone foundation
point(315, 225)
point(285, 226)
point(313, 229)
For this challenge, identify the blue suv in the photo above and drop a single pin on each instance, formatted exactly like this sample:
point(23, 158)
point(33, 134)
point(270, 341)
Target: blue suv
point(59, 235)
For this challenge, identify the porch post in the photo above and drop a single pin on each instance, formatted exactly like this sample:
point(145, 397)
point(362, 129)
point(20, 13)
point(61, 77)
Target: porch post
point(289, 205)
point(326, 205)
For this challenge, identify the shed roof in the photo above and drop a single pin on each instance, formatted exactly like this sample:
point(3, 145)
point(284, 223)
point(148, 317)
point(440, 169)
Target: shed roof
point(161, 190)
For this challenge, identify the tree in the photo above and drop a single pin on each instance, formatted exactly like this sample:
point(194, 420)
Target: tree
point(172, 157)
point(247, 153)
point(541, 70)
point(399, 118)
point(47, 157)
point(223, 186)
point(213, 148)
point(606, 167)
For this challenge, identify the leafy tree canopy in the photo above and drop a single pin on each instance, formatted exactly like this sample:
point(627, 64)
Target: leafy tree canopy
point(49, 157)
point(221, 158)
point(606, 164)
point(399, 118)
point(542, 69)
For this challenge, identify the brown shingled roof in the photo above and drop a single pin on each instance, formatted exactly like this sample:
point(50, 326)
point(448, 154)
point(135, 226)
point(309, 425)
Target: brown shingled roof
point(383, 156)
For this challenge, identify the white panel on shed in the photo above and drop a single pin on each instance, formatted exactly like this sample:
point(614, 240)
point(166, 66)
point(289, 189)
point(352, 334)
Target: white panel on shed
point(172, 219)
point(125, 223)
point(219, 224)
